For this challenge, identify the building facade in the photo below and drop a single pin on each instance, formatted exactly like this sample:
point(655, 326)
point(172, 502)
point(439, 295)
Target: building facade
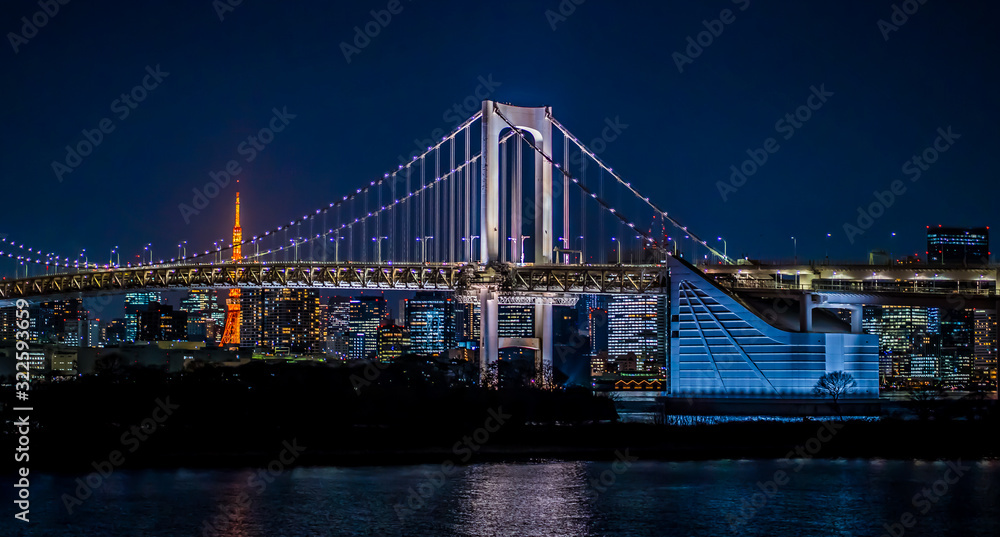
point(366, 315)
point(430, 318)
point(953, 245)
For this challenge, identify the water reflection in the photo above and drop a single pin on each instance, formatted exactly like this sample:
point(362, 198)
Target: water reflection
point(525, 499)
point(823, 498)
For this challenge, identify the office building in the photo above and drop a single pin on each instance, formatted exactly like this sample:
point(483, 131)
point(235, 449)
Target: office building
point(393, 342)
point(160, 322)
point(205, 318)
point(905, 344)
point(637, 324)
point(956, 350)
point(430, 319)
point(467, 322)
point(281, 321)
point(984, 366)
point(135, 303)
point(337, 317)
point(516, 322)
point(597, 323)
point(291, 321)
point(366, 315)
point(952, 245)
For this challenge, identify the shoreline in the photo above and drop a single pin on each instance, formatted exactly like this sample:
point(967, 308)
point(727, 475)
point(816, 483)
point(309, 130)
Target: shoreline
point(848, 440)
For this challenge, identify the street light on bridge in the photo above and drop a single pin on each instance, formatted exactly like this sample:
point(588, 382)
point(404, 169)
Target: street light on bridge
point(472, 247)
point(619, 249)
point(725, 248)
point(378, 244)
point(336, 247)
point(296, 246)
point(423, 247)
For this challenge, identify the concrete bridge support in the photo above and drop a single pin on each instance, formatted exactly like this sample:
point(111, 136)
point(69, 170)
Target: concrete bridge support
point(533, 121)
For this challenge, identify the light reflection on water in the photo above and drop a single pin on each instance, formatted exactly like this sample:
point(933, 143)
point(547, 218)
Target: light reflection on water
point(550, 498)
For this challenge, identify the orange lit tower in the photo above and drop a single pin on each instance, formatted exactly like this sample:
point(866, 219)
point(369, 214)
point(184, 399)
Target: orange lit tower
point(231, 336)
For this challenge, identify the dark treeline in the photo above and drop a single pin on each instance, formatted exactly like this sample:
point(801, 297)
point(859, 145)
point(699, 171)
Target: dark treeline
point(413, 412)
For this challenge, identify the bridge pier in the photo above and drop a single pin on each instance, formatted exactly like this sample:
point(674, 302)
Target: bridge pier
point(543, 331)
point(489, 330)
point(806, 312)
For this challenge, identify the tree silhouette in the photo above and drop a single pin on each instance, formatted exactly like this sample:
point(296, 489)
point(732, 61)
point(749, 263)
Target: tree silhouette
point(835, 385)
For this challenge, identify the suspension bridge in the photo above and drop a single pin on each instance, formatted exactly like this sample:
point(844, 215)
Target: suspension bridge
point(508, 213)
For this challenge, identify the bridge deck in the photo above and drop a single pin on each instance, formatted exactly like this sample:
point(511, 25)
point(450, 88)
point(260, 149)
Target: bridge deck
point(516, 279)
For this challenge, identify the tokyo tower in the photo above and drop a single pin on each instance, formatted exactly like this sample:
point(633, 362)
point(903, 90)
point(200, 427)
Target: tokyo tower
point(231, 336)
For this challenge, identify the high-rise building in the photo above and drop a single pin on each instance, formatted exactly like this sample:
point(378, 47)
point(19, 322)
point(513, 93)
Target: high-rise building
point(337, 318)
point(281, 320)
point(956, 349)
point(160, 322)
point(958, 245)
point(41, 324)
point(586, 303)
point(114, 333)
point(366, 315)
point(984, 367)
point(597, 322)
point(904, 344)
point(94, 331)
point(205, 317)
point(69, 321)
point(291, 321)
point(430, 318)
point(516, 321)
point(637, 324)
point(393, 342)
point(135, 303)
point(467, 322)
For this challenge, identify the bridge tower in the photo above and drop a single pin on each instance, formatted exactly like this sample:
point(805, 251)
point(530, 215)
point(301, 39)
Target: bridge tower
point(234, 316)
point(534, 121)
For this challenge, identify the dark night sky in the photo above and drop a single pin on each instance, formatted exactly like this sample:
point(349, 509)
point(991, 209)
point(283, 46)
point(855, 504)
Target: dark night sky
point(607, 59)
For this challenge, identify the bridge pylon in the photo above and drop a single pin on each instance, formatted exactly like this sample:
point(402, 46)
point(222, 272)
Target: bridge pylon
point(534, 121)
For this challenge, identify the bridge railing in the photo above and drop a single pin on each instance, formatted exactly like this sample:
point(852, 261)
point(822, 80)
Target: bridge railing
point(867, 286)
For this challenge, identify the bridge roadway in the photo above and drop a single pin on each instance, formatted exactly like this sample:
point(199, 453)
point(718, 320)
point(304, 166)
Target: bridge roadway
point(504, 278)
point(946, 286)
